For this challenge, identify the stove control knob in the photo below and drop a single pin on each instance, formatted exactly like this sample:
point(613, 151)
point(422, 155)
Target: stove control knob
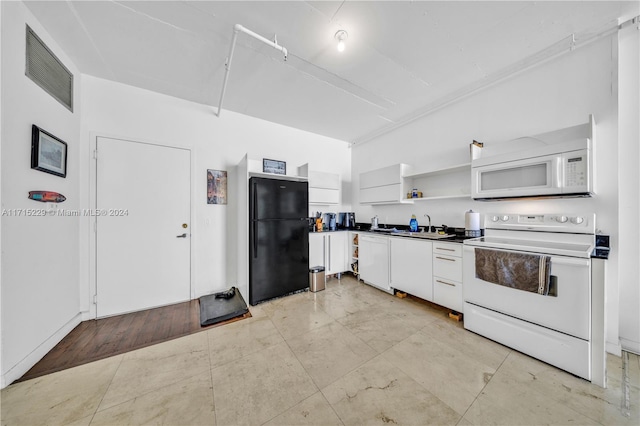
point(562, 219)
point(577, 220)
point(494, 218)
point(504, 218)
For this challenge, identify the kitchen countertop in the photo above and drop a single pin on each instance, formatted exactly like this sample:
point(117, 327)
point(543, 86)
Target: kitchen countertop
point(430, 236)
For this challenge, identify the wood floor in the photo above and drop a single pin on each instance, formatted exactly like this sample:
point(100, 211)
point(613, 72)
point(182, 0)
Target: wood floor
point(97, 339)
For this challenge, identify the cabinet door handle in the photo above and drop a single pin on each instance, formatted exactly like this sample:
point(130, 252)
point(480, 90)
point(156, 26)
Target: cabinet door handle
point(329, 236)
point(446, 249)
point(444, 258)
point(444, 282)
point(324, 251)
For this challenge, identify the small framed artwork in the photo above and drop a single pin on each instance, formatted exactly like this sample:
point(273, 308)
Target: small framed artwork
point(274, 166)
point(216, 187)
point(48, 153)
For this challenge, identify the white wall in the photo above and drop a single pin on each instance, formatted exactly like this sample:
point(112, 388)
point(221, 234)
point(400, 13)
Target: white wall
point(556, 94)
point(40, 301)
point(629, 189)
point(216, 143)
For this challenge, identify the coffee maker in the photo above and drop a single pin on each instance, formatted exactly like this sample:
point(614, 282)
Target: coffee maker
point(330, 221)
point(346, 220)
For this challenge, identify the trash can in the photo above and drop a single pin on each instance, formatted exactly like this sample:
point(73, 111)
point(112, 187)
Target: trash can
point(316, 278)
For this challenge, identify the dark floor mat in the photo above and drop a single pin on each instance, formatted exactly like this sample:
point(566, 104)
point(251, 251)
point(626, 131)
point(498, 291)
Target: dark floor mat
point(217, 309)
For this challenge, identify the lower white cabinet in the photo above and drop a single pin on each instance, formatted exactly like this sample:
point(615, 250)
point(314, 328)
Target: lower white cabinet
point(329, 249)
point(411, 268)
point(373, 260)
point(447, 275)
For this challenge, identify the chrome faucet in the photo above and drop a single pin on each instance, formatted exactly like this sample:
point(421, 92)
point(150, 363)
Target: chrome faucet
point(428, 227)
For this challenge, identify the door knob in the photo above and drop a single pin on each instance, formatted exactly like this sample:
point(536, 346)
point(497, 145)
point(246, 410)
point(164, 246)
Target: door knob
point(182, 236)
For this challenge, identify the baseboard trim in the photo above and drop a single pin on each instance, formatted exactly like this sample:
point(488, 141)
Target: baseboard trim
point(613, 348)
point(630, 345)
point(18, 370)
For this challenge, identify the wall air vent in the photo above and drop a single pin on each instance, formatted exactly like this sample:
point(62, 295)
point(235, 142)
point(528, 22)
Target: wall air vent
point(46, 70)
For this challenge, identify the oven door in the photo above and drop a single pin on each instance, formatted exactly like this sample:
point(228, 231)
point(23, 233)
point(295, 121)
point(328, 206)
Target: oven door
point(567, 310)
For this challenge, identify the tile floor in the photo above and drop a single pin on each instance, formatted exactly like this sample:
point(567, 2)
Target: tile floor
point(349, 355)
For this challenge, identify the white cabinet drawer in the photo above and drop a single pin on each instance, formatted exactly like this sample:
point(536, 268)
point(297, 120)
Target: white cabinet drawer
point(450, 249)
point(447, 293)
point(448, 267)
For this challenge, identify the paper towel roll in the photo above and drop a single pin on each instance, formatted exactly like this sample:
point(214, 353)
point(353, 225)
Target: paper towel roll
point(472, 221)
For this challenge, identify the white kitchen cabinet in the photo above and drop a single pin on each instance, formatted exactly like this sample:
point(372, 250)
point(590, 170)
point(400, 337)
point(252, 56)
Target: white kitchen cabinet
point(373, 261)
point(384, 186)
point(411, 268)
point(324, 188)
point(316, 249)
point(447, 275)
point(329, 249)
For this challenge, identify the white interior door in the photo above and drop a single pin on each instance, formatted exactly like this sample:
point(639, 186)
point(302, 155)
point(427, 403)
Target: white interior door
point(143, 226)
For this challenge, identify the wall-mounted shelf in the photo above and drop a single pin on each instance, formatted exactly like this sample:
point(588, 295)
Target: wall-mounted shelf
point(465, 167)
point(439, 197)
point(254, 168)
point(436, 184)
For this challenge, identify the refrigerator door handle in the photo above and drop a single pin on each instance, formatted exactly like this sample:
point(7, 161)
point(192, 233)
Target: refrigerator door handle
point(255, 202)
point(255, 239)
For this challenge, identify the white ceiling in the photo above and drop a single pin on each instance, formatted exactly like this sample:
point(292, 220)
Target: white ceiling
point(401, 56)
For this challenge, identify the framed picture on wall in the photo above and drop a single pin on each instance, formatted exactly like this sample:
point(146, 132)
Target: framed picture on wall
point(274, 166)
point(216, 186)
point(48, 153)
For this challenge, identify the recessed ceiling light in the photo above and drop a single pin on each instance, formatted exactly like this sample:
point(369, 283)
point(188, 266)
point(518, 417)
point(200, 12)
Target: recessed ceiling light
point(341, 36)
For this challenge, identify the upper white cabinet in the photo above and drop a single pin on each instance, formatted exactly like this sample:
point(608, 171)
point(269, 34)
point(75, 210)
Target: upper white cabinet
point(390, 185)
point(324, 188)
point(384, 186)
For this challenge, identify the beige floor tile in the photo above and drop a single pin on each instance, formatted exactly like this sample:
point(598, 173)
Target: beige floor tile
point(260, 386)
point(313, 411)
point(294, 319)
point(188, 402)
point(379, 329)
point(329, 352)
point(453, 377)
point(61, 398)
point(379, 393)
point(341, 304)
point(238, 339)
point(478, 348)
point(408, 308)
point(511, 398)
point(157, 366)
point(601, 405)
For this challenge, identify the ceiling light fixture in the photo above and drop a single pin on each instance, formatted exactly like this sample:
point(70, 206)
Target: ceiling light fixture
point(341, 36)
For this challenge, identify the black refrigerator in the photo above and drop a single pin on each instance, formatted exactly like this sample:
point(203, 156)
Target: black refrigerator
point(278, 238)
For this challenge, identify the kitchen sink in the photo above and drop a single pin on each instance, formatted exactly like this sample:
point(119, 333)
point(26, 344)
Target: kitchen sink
point(402, 233)
point(425, 235)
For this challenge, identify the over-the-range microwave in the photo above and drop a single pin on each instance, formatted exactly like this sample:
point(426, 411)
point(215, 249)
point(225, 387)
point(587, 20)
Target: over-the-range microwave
point(558, 170)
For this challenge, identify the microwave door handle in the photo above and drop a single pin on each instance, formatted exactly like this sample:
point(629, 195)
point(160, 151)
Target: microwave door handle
point(559, 177)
